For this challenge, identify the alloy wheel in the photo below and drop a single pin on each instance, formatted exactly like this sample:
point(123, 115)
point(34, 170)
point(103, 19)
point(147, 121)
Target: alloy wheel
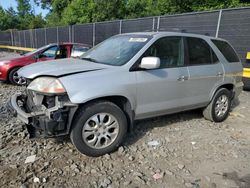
point(100, 130)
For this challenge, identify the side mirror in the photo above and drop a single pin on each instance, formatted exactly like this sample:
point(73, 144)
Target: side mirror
point(150, 63)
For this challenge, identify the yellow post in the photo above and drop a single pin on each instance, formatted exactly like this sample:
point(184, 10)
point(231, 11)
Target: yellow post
point(248, 56)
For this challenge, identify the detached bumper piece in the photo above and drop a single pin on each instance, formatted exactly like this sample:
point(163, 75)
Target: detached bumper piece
point(44, 116)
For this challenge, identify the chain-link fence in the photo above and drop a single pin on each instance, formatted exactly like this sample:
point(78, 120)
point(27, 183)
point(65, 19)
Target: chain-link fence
point(231, 24)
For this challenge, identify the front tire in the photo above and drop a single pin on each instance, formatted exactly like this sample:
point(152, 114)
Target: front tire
point(218, 109)
point(15, 79)
point(99, 128)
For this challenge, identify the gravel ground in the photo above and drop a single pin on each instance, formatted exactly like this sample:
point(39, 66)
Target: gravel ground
point(180, 150)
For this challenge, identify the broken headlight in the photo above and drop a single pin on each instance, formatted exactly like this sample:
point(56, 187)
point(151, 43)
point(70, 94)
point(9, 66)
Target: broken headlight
point(48, 85)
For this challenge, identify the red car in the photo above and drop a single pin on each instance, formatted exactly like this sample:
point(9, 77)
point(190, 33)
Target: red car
point(9, 68)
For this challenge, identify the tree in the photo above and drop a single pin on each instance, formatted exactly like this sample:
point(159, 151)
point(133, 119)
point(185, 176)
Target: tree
point(23, 8)
point(24, 13)
point(45, 4)
point(8, 19)
point(37, 22)
point(84, 11)
point(79, 11)
point(54, 18)
point(64, 12)
point(68, 12)
point(26, 17)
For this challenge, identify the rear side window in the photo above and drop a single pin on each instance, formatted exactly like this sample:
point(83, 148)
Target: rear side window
point(199, 52)
point(226, 50)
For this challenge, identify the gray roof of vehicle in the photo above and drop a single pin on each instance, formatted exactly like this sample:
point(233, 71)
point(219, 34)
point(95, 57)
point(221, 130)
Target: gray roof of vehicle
point(172, 34)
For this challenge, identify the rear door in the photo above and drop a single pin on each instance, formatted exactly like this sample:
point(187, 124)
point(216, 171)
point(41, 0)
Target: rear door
point(206, 72)
point(231, 62)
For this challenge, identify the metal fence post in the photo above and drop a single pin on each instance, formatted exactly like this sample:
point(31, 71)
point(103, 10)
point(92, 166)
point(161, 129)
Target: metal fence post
point(73, 34)
point(153, 26)
point(24, 37)
point(120, 27)
point(35, 41)
point(31, 39)
point(45, 36)
point(93, 34)
point(218, 24)
point(69, 33)
point(11, 36)
point(19, 37)
point(158, 23)
point(57, 35)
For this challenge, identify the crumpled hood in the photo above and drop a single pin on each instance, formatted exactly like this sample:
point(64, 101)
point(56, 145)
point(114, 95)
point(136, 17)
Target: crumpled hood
point(59, 68)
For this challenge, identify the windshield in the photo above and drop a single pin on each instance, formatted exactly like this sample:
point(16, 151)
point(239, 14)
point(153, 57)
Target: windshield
point(37, 50)
point(117, 50)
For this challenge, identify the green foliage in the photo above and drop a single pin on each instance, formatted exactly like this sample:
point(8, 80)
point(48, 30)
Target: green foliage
point(23, 8)
point(8, 19)
point(84, 11)
point(69, 12)
point(54, 18)
point(37, 22)
point(23, 18)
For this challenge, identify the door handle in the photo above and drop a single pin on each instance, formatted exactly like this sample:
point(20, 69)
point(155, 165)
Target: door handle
point(219, 74)
point(182, 78)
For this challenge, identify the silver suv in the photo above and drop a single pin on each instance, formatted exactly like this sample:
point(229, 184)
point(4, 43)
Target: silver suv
point(96, 98)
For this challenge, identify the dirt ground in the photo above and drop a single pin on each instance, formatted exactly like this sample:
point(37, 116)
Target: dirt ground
point(179, 150)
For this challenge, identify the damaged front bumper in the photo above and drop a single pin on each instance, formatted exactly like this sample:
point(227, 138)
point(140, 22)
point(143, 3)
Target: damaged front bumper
point(44, 115)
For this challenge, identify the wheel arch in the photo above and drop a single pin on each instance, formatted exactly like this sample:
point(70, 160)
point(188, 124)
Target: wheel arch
point(10, 69)
point(121, 101)
point(228, 86)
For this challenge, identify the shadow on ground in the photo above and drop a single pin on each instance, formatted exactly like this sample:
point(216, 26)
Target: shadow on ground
point(143, 126)
point(241, 182)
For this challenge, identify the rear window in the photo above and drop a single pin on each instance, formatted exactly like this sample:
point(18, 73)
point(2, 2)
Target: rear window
point(199, 52)
point(226, 50)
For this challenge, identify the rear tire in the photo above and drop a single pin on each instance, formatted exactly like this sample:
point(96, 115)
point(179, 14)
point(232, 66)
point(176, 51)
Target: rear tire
point(99, 128)
point(218, 109)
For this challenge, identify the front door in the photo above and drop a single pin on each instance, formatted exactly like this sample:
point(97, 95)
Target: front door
point(48, 54)
point(161, 91)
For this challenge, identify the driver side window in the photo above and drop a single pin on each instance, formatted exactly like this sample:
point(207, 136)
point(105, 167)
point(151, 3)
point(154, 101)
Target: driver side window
point(170, 50)
point(49, 53)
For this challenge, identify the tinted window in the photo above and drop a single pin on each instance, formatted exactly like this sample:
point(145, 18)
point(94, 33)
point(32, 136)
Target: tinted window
point(226, 50)
point(169, 50)
point(199, 52)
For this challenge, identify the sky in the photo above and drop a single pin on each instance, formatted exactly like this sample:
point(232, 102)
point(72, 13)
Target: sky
point(12, 3)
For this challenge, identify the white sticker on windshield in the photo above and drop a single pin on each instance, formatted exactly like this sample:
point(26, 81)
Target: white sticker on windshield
point(138, 39)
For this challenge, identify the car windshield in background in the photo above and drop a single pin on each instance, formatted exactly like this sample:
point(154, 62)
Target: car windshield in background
point(117, 50)
point(37, 50)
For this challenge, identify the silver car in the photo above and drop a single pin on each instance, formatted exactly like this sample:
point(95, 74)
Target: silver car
point(96, 98)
